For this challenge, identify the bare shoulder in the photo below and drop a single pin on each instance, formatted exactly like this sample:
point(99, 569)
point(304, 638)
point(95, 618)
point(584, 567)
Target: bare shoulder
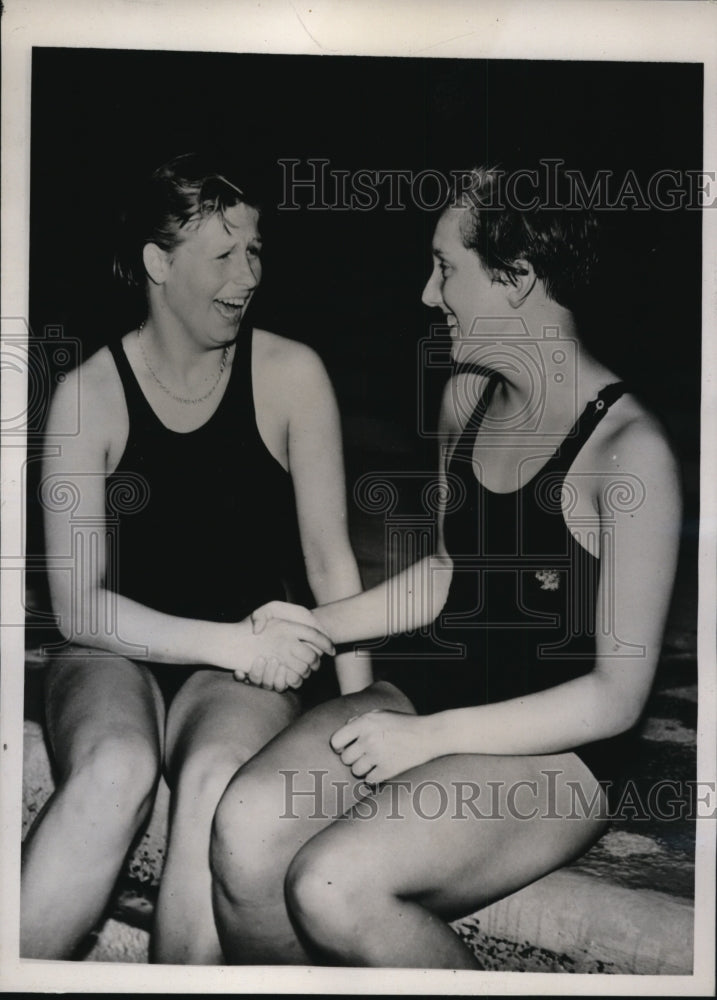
point(273, 349)
point(89, 398)
point(634, 443)
point(288, 364)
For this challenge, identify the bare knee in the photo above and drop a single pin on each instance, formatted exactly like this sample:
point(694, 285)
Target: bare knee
point(113, 776)
point(199, 775)
point(326, 896)
point(249, 835)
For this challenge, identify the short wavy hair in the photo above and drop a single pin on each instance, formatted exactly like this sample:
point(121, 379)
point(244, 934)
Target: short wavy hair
point(560, 240)
point(176, 197)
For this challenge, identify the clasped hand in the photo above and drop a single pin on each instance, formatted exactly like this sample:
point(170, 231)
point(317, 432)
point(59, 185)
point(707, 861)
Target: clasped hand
point(376, 745)
point(287, 646)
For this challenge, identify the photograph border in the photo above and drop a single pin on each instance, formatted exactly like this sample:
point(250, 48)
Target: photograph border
point(639, 30)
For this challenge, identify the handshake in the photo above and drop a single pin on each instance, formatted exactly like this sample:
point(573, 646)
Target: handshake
point(286, 646)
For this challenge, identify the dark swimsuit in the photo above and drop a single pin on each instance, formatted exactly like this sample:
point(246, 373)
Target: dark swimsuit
point(521, 609)
point(201, 524)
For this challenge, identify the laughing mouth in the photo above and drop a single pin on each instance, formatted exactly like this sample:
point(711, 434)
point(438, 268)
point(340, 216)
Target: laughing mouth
point(230, 308)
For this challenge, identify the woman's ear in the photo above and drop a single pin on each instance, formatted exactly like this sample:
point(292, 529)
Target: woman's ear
point(156, 263)
point(522, 283)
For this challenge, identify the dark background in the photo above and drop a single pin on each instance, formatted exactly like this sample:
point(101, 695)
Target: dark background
point(349, 283)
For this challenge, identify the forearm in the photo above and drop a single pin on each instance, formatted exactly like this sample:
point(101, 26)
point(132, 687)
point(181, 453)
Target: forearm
point(117, 624)
point(409, 600)
point(354, 671)
point(551, 721)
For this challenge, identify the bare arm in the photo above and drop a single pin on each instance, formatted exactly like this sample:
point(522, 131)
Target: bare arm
point(636, 582)
point(412, 598)
point(89, 613)
point(316, 466)
point(607, 701)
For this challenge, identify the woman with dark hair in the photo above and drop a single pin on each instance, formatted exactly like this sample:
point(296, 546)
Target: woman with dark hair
point(202, 444)
point(549, 589)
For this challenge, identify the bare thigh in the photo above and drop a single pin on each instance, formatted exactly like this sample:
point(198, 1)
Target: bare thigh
point(94, 700)
point(297, 784)
point(462, 831)
point(214, 725)
point(218, 718)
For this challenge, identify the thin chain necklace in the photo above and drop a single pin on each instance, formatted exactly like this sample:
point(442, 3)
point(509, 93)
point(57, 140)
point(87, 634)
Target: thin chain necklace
point(182, 399)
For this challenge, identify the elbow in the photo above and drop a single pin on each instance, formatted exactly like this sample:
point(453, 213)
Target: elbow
point(620, 722)
point(318, 577)
point(629, 716)
point(620, 710)
point(333, 578)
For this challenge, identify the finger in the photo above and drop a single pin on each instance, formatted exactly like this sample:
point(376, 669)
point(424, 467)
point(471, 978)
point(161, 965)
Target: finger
point(297, 664)
point(294, 613)
point(312, 635)
point(254, 676)
point(293, 679)
point(363, 766)
point(302, 675)
point(345, 735)
point(352, 753)
point(267, 680)
point(295, 669)
point(304, 653)
point(285, 677)
point(317, 651)
point(276, 609)
point(280, 682)
point(281, 609)
point(256, 671)
point(314, 663)
point(259, 618)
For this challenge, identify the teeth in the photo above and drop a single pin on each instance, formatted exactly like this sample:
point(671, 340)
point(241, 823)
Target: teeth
point(229, 308)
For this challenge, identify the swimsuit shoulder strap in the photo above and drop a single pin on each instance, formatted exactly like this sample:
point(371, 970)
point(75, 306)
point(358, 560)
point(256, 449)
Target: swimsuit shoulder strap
point(472, 425)
point(586, 424)
point(137, 406)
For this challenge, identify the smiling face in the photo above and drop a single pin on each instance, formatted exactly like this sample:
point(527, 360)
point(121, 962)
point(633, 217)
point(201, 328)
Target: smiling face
point(211, 275)
point(473, 303)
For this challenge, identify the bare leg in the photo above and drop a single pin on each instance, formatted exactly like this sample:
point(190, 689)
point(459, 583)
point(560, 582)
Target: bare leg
point(214, 725)
point(377, 891)
point(104, 717)
point(284, 796)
